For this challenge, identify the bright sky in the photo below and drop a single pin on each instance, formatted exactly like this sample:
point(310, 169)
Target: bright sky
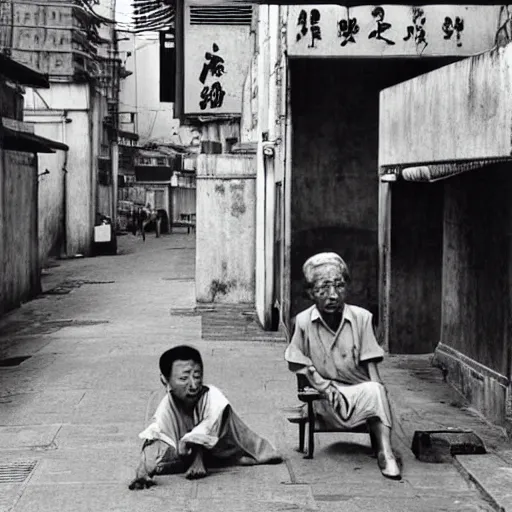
point(123, 10)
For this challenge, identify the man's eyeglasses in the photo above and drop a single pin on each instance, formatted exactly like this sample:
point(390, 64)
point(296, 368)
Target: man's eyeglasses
point(325, 288)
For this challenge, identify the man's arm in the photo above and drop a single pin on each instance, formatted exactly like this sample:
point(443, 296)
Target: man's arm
point(146, 468)
point(373, 371)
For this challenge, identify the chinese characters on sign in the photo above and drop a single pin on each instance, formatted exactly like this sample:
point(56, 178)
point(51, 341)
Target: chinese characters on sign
point(449, 27)
point(409, 29)
point(417, 29)
point(347, 29)
point(212, 95)
point(379, 14)
point(314, 22)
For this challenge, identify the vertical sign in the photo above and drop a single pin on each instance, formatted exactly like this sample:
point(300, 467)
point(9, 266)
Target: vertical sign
point(6, 24)
point(167, 67)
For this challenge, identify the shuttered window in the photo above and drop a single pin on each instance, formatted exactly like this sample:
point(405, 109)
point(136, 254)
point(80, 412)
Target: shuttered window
point(231, 14)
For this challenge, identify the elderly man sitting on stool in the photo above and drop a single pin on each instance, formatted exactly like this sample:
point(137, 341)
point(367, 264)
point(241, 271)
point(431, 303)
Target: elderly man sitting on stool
point(334, 346)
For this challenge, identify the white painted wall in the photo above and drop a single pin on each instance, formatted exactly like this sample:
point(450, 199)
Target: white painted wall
point(225, 229)
point(75, 101)
point(466, 113)
point(140, 92)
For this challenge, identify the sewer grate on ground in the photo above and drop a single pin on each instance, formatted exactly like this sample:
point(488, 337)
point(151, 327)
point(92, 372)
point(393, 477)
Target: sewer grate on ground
point(184, 312)
point(74, 323)
point(13, 361)
point(66, 287)
point(178, 278)
point(16, 472)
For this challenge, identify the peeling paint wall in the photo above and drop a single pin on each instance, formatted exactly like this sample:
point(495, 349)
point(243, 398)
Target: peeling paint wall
point(19, 258)
point(225, 238)
point(475, 349)
point(77, 101)
point(51, 189)
point(458, 117)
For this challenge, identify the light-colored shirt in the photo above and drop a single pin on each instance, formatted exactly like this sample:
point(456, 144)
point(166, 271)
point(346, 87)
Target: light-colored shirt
point(335, 355)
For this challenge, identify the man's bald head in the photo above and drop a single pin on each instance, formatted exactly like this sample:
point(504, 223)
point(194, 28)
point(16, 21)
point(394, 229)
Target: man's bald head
point(322, 260)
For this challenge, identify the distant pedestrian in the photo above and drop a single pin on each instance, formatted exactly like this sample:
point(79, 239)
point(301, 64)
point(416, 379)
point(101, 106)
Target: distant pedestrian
point(135, 221)
point(144, 219)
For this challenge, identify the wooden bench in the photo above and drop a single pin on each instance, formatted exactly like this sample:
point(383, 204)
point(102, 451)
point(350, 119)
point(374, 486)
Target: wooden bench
point(308, 395)
point(187, 220)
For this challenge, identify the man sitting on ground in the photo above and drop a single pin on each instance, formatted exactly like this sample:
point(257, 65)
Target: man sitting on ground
point(334, 346)
point(194, 426)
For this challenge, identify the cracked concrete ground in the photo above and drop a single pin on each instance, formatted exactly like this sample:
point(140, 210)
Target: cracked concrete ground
point(75, 406)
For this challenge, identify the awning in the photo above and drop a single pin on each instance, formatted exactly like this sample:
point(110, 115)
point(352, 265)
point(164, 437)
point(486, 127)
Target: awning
point(346, 3)
point(429, 173)
point(22, 74)
point(19, 136)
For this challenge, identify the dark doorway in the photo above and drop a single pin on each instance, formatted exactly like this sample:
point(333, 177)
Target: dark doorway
point(335, 105)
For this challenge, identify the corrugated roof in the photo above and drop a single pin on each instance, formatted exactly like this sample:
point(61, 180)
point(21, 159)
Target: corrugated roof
point(22, 74)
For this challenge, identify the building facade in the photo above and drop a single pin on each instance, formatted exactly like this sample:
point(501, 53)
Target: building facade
point(72, 44)
point(445, 186)
point(19, 146)
point(311, 105)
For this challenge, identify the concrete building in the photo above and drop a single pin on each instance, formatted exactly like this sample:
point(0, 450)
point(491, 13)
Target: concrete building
point(76, 48)
point(19, 145)
point(444, 165)
point(167, 184)
point(213, 48)
point(311, 106)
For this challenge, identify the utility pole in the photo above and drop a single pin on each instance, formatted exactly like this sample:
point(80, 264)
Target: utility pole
point(114, 113)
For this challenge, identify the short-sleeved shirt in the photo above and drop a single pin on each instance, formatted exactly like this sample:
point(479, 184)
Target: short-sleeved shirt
point(335, 355)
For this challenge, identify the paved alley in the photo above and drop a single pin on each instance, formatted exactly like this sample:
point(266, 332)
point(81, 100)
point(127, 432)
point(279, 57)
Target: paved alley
point(70, 412)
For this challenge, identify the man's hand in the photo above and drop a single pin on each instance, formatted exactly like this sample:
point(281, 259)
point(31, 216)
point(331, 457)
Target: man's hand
point(141, 482)
point(333, 397)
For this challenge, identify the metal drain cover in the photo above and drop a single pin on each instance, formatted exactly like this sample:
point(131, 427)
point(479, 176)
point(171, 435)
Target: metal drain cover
point(13, 361)
point(16, 472)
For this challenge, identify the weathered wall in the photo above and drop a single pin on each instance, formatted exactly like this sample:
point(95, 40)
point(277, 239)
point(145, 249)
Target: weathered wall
point(183, 200)
point(476, 294)
point(80, 192)
point(140, 92)
point(135, 193)
point(50, 189)
point(335, 107)
point(75, 101)
point(416, 267)
point(225, 229)
point(478, 98)
point(19, 257)
point(476, 224)
point(104, 200)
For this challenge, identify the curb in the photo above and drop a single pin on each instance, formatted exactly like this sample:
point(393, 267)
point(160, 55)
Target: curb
point(491, 475)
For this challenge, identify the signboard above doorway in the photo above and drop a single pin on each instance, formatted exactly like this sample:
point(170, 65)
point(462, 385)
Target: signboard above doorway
point(391, 30)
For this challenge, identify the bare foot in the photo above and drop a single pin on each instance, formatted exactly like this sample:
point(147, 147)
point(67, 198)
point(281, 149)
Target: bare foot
point(389, 466)
point(197, 468)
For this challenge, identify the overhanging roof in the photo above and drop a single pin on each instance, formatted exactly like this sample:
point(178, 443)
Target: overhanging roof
point(430, 173)
point(16, 136)
point(347, 3)
point(22, 74)
point(451, 120)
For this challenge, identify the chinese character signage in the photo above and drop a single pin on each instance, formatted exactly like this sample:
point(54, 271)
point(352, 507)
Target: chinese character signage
point(217, 59)
point(391, 30)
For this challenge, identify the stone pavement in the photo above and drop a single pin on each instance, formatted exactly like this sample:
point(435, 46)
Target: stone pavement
point(70, 413)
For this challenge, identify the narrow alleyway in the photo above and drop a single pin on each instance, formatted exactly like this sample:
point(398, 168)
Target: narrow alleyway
point(71, 411)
